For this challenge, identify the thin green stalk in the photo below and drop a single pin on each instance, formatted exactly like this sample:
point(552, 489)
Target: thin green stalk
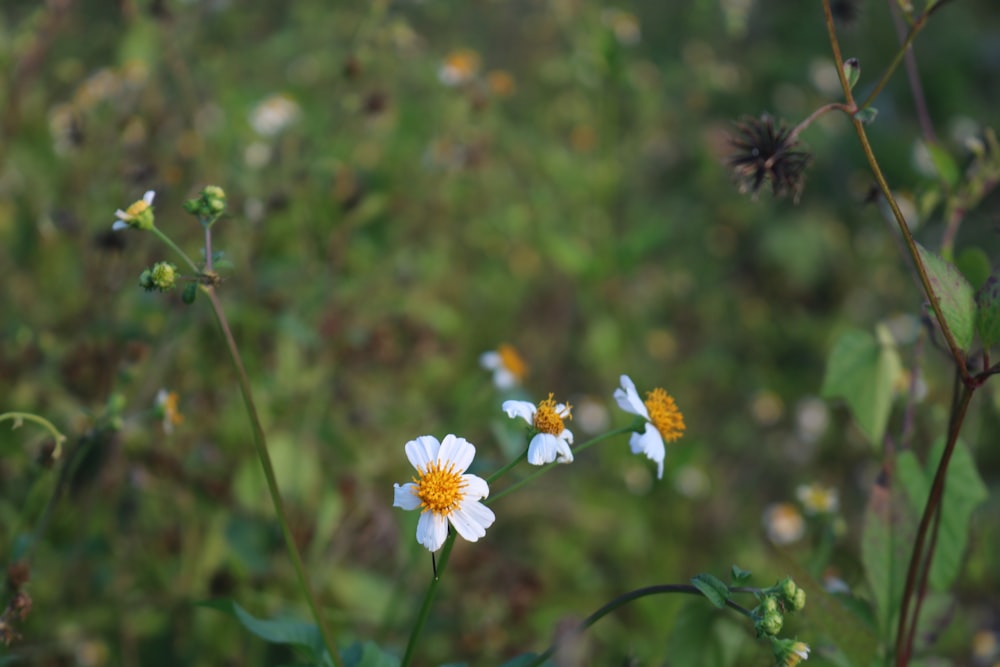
point(260, 444)
point(543, 469)
point(904, 229)
point(894, 65)
point(904, 639)
point(173, 246)
point(622, 600)
point(425, 606)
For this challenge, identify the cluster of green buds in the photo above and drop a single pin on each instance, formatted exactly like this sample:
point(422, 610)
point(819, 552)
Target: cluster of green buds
point(768, 616)
point(208, 206)
point(162, 277)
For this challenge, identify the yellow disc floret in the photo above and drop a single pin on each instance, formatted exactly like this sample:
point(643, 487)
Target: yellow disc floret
point(664, 414)
point(512, 361)
point(439, 488)
point(547, 420)
point(136, 208)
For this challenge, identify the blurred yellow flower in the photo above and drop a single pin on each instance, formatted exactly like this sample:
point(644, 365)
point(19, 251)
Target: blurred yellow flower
point(818, 499)
point(167, 405)
point(459, 67)
point(509, 369)
point(501, 83)
point(783, 523)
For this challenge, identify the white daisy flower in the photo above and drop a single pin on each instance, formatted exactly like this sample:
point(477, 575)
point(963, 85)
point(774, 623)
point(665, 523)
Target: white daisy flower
point(818, 499)
point(665, 423)
point(442, 492)
point(552, 440)
point(507, 365)
point(139, 214)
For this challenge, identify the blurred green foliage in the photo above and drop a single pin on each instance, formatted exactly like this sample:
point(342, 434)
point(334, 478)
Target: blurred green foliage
point(567, 195)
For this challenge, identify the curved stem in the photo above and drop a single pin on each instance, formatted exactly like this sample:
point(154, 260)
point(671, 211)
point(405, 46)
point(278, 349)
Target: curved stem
point(833, 106)
point(891, 69)
point(260, 444)
point(545, 468)
point(621, 600)
point(20, 417)
point(904, 229)
point(425, 606)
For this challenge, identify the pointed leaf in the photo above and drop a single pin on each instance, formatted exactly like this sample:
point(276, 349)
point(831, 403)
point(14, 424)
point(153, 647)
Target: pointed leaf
point(963, 492)
point(740, 575)
point(276, 631)
point(712, 587)
point(945, 165)
point(974, 264)
point(886, 541)
point(988, 310)
point(954, 294)
point(863, 371)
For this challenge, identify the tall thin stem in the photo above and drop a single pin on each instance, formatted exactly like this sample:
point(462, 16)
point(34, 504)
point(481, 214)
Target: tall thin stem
point(425, 606)
point(260, 445)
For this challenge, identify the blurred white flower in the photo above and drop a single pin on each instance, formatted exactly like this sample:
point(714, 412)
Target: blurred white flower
point(783, 523)
point(273, 114)
point(509, 369)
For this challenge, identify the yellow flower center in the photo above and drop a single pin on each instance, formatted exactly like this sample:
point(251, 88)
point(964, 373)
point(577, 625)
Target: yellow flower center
point(463, 62)
point(136, 208)
point(664, 414)
point(439, 488)
point(170, 409)
point(547, 420)
point(512, 361)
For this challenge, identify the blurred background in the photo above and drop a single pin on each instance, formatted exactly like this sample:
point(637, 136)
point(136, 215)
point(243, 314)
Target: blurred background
point(414, 183)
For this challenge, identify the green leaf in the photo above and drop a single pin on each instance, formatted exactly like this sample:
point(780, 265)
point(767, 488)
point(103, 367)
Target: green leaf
point(846, 621)
point(867, 115)
point(886, 541)
point(852, 71)
point(963, 492)
point(946, 167)
point(368, 654)
point(863, 371)
point(988, 311)
point(703, 637)
point(954, 294)
point(974, 265)
point(277, 631)
point(740, 575)
point(711, 587)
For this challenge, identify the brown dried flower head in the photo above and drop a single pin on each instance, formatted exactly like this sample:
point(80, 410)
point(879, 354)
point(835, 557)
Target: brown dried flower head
point(766, 152)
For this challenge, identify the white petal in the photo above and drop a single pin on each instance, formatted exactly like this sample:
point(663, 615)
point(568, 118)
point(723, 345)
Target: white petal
point(563, 453)
point(542, 449)
point(475, 487)
point(122, 215)
point(432, 529)
point(422, 451)
point(148, 197)
point(119, 225)
point(562, 410)
point(628, 398)
point(504, 379)
point(566, 435)
point(650, 443)
point(457, 451)
point(490, 360)
point(406, 496)
point(472, 519)
point(522, 409)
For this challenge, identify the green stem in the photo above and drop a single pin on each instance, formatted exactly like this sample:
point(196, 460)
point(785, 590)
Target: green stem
point(904, 229)
point(20, 417)
point(685, 589)
point(173, 246)
point(894, 65)
point(260, 444)
point(833, 106)
point(545, 468)
point(425, 606)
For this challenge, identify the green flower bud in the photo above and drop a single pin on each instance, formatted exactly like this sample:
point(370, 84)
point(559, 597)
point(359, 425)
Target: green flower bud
point(162, 277)
point(799, 603)
point(769, 624)
point(852, 70)
point(189, 293)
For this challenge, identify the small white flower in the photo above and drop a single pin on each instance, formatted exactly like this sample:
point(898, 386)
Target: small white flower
point(442, 492)
point(273, 114)
point(507, 365)
point(783, 523)
point(128, 217)
point(664, 422)
point(818, 499)
point(552, 440)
